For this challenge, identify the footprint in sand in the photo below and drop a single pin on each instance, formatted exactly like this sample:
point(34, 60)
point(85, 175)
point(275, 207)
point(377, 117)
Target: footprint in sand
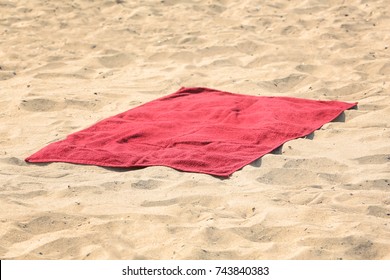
point(259, 233)
point(283, 84)
point(379, 211)
point(41, 105)
point(115, 61)
point(349, 247)
point(14, 161)
point(50, 223)
point(146, 184)
point(321, 164)
point(374, 159)
point(5, 75)
point(283, 176)
point(45, 105)
point(157, 203)
point(378, 184)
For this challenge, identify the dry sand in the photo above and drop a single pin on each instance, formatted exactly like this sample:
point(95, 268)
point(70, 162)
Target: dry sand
point(68, 64)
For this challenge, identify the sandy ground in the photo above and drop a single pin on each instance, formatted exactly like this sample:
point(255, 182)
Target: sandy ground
point(68, 64)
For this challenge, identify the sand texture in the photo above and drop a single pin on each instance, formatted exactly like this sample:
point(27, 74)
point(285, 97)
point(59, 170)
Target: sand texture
point(68, 64)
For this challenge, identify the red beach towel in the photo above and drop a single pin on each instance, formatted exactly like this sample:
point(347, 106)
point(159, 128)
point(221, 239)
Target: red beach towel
point(194, 129)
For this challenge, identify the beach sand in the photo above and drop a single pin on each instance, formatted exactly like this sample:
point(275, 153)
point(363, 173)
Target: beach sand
point(67, 64)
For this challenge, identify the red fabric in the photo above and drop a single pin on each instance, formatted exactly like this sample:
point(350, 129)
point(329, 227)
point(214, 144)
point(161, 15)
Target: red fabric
point(194, 129)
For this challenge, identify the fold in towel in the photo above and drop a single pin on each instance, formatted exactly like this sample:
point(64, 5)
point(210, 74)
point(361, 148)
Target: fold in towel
point(194, 129)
